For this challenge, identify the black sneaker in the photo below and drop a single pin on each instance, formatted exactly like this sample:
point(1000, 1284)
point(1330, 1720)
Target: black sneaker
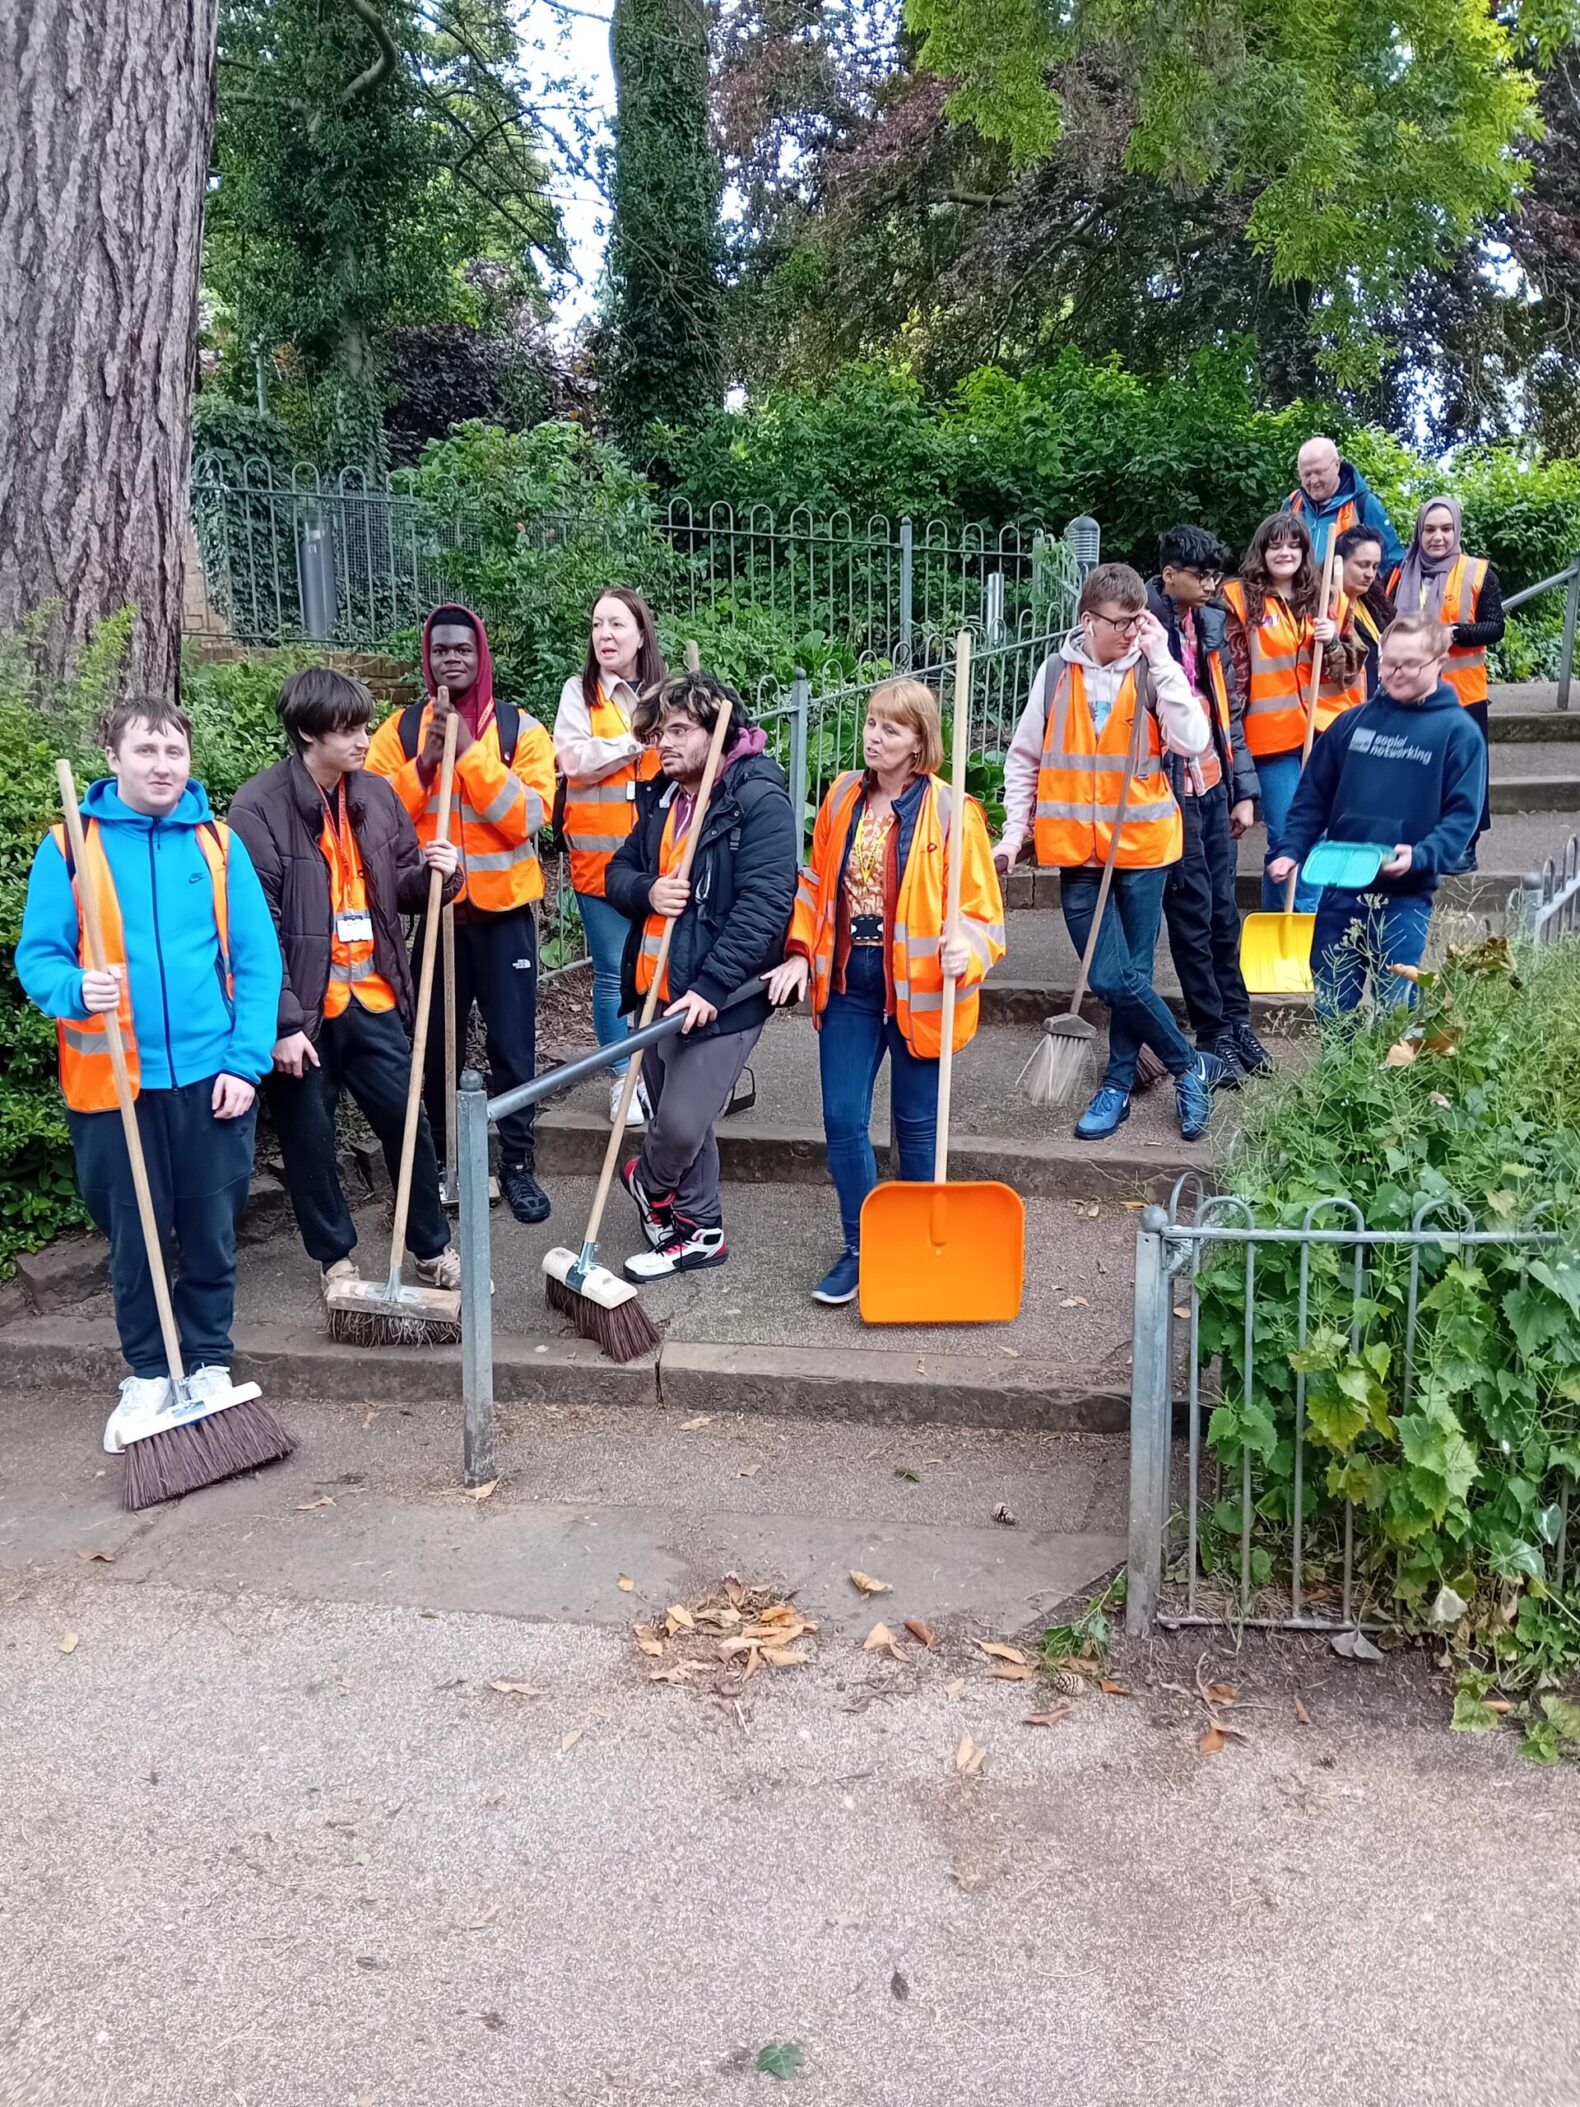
point(1228, 1058)
point(656, 1209)
point(1254, 1056)
point(524, 1196)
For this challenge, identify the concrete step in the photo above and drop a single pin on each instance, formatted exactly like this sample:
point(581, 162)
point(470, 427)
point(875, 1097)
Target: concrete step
point(1528, 698)
point(1535, 792)
point(1517, 727)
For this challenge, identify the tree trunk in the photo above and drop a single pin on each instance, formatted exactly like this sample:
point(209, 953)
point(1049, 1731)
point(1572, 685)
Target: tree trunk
point(104, 160)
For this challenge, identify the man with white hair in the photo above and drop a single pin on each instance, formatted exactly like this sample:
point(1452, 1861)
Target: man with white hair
point(1334, 496)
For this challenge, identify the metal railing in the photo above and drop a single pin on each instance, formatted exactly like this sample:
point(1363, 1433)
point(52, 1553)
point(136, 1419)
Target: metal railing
point(1223, 1573)
point(1570, 580)
point(1547, 906)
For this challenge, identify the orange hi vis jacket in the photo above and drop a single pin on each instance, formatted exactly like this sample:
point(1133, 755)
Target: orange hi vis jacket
point(915, 928)
point(351, 970)
point(496, 813)
point(1466, 668)
point(671, 848)
point(1275, 708)
point(1082, 774)
point(599, 815)
point(1334, 695)
point(86, 1077)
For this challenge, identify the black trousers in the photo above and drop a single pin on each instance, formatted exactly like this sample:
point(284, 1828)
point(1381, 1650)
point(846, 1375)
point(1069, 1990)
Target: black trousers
point(1204, 918)
point(1478, 710)
point(199, 1169)
point(496, 967)
point(370, 1057)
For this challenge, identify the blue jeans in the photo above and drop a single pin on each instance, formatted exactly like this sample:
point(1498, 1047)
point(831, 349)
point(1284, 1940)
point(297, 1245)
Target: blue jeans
point(1122, 968)
point(1357, 933)
point(1279, 776)
point(607, 930)
point(850, 1048)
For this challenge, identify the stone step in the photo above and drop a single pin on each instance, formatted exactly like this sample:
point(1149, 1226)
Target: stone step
point(1517, 727)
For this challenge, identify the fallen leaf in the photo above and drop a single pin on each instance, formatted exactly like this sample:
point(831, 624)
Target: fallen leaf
point(1497, 1704)
point(479, 1492)
point(370, 1417)
point(1443, 1042)
point(780, 2059)
point(507, 1688)
point(323, 1500)
point(910, 1477)
point(1134, 1206)
point(680, 1619)
point(898, 1986)
point(1012, 1674)
point(750, 1471)
point(1443, 1103)
point(1182, 1313)
point(1401, 1053)
point(969, 1757)
point(569, 1741)
point(649, 1641)
point(1355, 1646)
point(1221, 1693)
point(1212, 1741)
point(1048, 1719)
point(881, 1640)
point(866, 1585)
point(735, 1592)
point(785, 1656)
point(69, 1643)
point(923, 1632)
point(101, 1558)
point(1002, 1515)
point(680, 1673)
point(482, 1923)
point(1074, 1302)
point(1112, 1689)
point(1301, 1714)
point(953, 1689)
point(690, 1426)
point(625, 1584)
point(1000, 1652)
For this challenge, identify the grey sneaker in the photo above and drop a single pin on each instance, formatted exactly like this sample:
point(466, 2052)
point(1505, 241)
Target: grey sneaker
point(441, 1272)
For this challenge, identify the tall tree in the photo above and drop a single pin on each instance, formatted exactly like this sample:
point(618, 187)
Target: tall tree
point(663, 314)
point(103, 165)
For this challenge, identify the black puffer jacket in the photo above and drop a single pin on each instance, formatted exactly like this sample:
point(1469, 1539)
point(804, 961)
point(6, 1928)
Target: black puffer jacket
point(743, 881)
point(280, 817)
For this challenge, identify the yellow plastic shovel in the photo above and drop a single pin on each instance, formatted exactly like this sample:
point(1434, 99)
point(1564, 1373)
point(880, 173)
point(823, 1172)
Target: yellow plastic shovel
point(1275, 949)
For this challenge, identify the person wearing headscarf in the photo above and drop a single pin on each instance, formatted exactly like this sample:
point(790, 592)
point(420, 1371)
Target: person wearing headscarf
point(1438, 578)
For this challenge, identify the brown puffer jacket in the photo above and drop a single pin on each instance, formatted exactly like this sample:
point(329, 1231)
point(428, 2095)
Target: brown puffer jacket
point(280, 817)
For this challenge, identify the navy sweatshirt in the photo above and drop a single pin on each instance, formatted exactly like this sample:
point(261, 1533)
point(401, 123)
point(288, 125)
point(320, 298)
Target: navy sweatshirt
point(1391, 772)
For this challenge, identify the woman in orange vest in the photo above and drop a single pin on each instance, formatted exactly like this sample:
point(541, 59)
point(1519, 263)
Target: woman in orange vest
point(868, 939)
point(1463, 592)
point(1274, 623)
point(602, 761)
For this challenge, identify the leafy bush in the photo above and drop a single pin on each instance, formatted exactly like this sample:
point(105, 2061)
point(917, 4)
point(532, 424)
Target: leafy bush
point(1453, 1467)
point(235, 731)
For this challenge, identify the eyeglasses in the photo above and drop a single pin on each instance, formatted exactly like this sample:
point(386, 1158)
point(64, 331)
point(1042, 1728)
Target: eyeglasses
point(1127, 625)
point(1209, 581)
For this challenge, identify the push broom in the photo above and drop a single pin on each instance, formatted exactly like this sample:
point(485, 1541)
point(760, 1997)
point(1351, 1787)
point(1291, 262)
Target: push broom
point(603, 1307)
point(1056, 1074)
point(390, 1312)
point(195, 1441)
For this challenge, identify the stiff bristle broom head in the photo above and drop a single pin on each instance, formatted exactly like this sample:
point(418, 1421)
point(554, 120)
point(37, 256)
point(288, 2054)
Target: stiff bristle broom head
point(1058, 1069)
point(391, 1313)
point(602, 1307)
point(1149, 1070)
point(222, 1443)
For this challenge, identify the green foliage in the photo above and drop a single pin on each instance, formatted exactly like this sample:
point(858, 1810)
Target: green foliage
point(235, 731)
point(1453, 1464)
point(227, 437)
point(780, 2059)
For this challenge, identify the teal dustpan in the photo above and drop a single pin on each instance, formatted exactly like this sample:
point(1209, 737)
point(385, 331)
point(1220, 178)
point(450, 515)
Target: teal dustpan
point(1349, 864)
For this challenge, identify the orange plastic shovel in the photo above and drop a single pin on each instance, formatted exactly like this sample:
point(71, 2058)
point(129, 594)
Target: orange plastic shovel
point(942, 1253)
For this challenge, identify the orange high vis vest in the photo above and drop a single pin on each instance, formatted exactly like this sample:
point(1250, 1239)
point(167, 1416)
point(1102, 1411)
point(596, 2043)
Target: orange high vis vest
point(1334, 696)
point(495, 813)
point(914, 970)
point(1275, 709)
point(671, 848)
point(1209, 764)
point(1347, 516)
point(86, 1077)
point(351, 968)
point(599, 816)
point(1466, 667)
point(1082, 774)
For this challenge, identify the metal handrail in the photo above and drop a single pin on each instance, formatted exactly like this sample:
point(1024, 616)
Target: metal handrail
point(1566, 657)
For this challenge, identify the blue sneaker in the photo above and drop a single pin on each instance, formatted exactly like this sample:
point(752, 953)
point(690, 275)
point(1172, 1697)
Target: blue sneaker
point(840, 1282)
point(1108, 1110)
point(1193, 1095)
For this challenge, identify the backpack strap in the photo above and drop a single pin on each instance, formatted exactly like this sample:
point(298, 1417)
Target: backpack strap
point(506, 717)
point(411, 728)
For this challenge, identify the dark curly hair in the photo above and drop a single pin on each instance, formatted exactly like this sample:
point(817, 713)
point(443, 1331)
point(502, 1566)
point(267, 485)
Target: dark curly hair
point(698, 694)
point(1302, 592)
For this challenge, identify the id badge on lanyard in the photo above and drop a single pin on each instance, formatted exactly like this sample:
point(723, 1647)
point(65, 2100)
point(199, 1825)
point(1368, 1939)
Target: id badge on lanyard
point(353, 925)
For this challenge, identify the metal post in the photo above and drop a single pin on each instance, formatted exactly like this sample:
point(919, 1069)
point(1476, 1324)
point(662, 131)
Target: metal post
point(800, 714)
point(477, 1313)
point(1150, 1424)
point(907, 560)
point(993, 611)
point(1566, 663)
point(260, 377)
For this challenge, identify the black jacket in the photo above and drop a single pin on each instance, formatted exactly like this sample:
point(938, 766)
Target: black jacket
point(743, 881)
point(1211, 625)
point(280, 816)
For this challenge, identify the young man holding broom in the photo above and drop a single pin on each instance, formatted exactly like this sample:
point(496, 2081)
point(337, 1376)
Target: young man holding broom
point(195, 980)
point(731, 919)
point(339, 862)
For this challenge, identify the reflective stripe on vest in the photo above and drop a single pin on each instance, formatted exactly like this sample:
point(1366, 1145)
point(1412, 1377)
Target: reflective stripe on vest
point(350, 962)
point(496, 876)
point(1465, 668)
point(86, 1076)
point(670, 850)
point(1275, 715)
point(599, 816)
point(1081, 776)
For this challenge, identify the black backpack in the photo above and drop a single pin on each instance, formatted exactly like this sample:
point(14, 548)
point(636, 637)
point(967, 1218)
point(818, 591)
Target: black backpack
point(506, 716)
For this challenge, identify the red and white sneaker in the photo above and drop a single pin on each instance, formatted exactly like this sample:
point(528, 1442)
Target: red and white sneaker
point(656, 1209)
point(686, 1250)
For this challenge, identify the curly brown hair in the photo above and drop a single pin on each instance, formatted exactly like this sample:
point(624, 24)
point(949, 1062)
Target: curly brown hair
point(1302, 592)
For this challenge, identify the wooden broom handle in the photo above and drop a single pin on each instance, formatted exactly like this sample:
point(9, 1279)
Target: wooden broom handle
point(1105, 885)
point(419, 1034)
point(1311, 699)
point(650, 1006)
point(88, 907)
point(959, 748)
point(448, 956)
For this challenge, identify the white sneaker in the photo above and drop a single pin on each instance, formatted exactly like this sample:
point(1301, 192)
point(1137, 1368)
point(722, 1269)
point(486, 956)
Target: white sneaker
point(636, 1115)
point(441, 1272)
point(685, 1251)
point(209, 1383)
point(340, 1275)
point(143, 1398)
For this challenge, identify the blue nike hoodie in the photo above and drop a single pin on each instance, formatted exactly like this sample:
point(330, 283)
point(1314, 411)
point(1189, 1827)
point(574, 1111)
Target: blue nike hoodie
point(186, 1029)
point(1391, 772)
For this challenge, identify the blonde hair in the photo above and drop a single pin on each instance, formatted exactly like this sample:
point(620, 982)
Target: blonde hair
point(1422, 623)
point(913, 704)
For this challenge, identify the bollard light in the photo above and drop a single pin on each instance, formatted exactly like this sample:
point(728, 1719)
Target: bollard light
point(1085, 537)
